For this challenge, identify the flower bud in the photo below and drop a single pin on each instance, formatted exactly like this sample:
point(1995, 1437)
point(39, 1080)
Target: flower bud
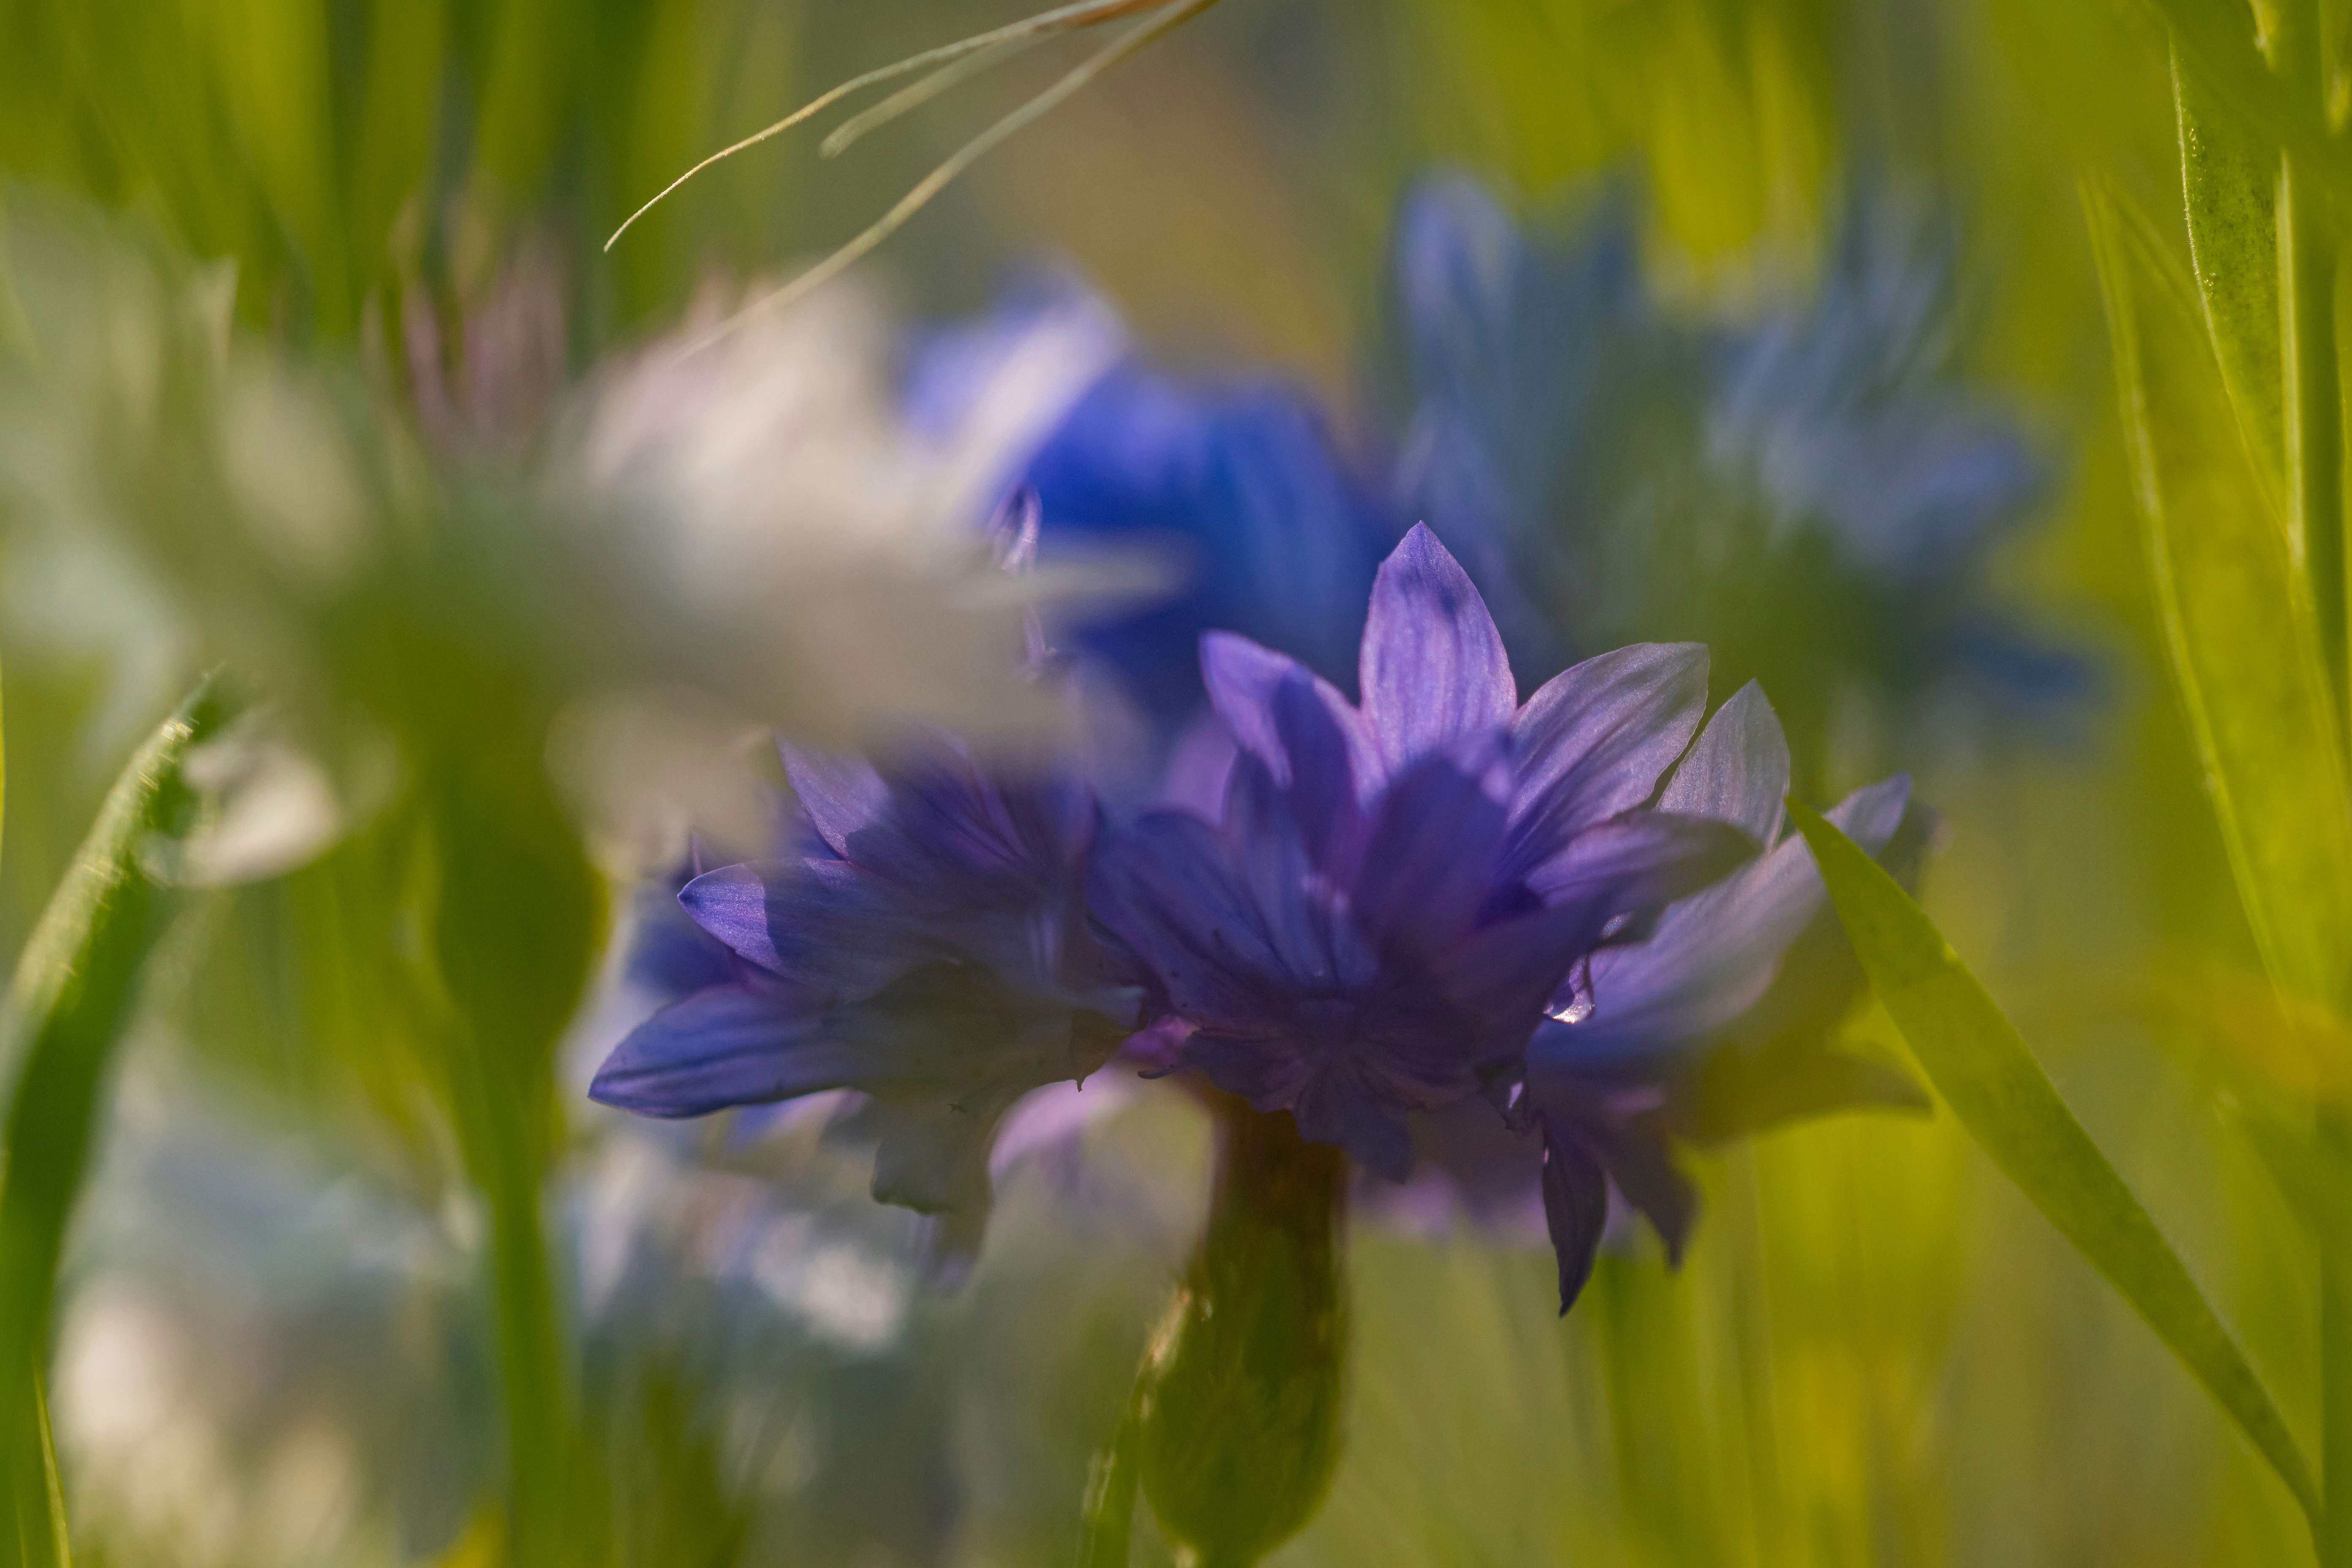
point(1243, 1387)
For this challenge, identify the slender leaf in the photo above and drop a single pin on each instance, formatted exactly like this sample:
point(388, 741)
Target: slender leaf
point(73, 995)
point(2230, 181)
point(1108, 1523)
point(1983, 1069)
point(2214, 40)
point(2243, 648)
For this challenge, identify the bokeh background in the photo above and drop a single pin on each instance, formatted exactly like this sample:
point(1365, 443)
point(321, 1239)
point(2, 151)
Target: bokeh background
point(274, 1344)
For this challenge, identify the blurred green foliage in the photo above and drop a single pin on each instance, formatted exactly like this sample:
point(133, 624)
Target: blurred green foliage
point(1877, 1353)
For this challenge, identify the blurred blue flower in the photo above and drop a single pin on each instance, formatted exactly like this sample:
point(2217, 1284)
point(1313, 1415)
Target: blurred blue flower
point(1241, 488)
point(931, 951)
point(1717, 1022)
point(1812, 494)
point(929, 946)
point(1396, 891)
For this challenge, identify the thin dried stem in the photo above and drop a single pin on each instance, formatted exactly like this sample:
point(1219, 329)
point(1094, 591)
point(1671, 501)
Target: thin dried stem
point(1066, 18)
point(850, 131)
point(1126, 45)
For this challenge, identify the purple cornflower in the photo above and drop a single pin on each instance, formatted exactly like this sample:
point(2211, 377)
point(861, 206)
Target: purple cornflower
point(930, 947)
point(931, 950)
point(1396, 892)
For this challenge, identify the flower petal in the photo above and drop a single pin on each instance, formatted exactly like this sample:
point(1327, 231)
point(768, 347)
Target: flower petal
point(1739, 771)
point(1430, 861)
point(1594, 742)
point(1169, 889)
point(731, 1045)
point(1320, 952)
point(1645, 1174)
point(1708, 959)
point(1641, 861)
point(1872, 814)
point(731, 904)
point(1713, 955)
point(1246, 685)
point(839, 795)
point(1433, 668)
point(1576, 1210)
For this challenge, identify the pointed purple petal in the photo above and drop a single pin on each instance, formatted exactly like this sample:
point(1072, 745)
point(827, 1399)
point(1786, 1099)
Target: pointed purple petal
point(1715, 954)
point(1320, 952)
point(1326, 761)
point(1739, 771)
point(731, 904)
point(1872, 814)
point(1576, 1210)
point(731, 1045)
point(1430, 862)
point(1643, 860)
point(839, 795)
point(1596, 739)
point(1433, 668)
point(1645, 1174)
point(1246, 683)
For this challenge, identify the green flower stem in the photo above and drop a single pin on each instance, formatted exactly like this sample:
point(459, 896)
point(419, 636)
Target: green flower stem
point(1239, 1420)
point(534, 1374)
point(517, 919)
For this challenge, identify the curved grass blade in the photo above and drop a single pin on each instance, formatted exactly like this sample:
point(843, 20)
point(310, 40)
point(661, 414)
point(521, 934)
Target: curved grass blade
point(73, 995)
point(1062, 19)
point(2229, 183)
point(1120, 49)
point(2242, 641)
point(1986, 1073)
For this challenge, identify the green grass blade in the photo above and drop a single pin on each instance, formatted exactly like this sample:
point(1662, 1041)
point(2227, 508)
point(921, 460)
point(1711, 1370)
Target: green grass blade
point(74, 992)
point(2230, 183)
point(1108, 1524)
point(1983, 1069)
point(2214, 40)
point(2240, 635)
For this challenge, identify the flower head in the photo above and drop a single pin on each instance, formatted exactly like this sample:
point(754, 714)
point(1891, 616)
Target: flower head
point(1396, 891)
point(930, 947)
point(1811, 492)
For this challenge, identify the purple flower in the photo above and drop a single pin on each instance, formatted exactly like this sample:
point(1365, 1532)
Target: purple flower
point(931, 951)
point(1715, 1023)
point(1813, 491)
point(930, 947)
point(1396, 892)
